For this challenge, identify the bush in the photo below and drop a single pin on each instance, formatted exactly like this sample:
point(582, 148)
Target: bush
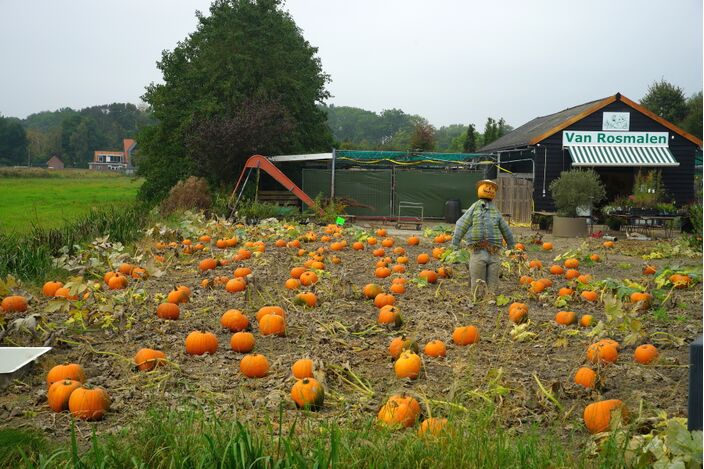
point(191, 194)
point(576, 188)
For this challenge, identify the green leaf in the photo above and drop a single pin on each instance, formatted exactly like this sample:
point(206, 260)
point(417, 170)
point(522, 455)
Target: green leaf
point(502, 300)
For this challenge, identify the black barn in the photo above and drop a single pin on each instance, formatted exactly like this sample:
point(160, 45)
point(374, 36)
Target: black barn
point(615, 136)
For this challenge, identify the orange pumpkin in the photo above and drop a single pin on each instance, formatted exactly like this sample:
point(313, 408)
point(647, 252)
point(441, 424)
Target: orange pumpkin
point(586, 320)
point(234, 320)
point(264, 310)
point(525, 280)
point(408, 365)
point(397, 288)
point(413, 241)
point(602, 353)
point(556, 270)
point(292, 284)
point(384, 299)
point(649, 270)
point(465, 335)
point(382, 272)
point(423, 258)
point(59, 394)
point(207, 264)
point(589, 295)
point(435, 348)
point(680, 281)
point(168, 311)
point(147, 359)
point(400, 344)
point(89, 403)
point(308, 299)
point(235, 285)
point(571, 274)
point(390, 315)
point(49, 288)
point(272, 324)
point(517, 312)
point(565, 318)
point(302, 368)
point(308, 278)
point(535, 264)
point(72, 371)
point(242, 342)
point(399, 411)
point(645, 354)
point(597, 416)
point(242, 272)
point(565, 291)
point(547, 246)
point(308, 393)
point(585, 377)
point(14, 303)
point(571, 263)
point(433, 426)
point(254, 366)
point(429, 276)
point(199, 343)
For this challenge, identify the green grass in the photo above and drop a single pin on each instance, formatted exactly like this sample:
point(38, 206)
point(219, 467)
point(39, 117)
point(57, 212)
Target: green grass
point(46, 201)
point(195, 439)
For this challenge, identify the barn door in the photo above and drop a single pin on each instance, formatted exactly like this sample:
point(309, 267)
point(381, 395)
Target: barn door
point(515, 197)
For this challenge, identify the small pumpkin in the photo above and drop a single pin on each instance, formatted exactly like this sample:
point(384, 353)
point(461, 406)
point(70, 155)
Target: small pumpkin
point(308, 299)
point(423, 258)
point(254, 366)
point(72, 371)
point(589, 295)
point(308, 393)
point(397, 288)
point(390, 315)
point(435, 348)
point(117, 282)
point(465, 335)
point(429, 276)
point(147, 359)
point(586, 320)
point(236, 284)
point(242, 272)
point(308, 278)
point(292, 284)
point(565, 292)
point(400, 344)
point(272, 324)
point(649, 270)
point(433, 426)
point(49, 288)
point(535, 264)
point(384, 299)
point(602, 353)
point(207, 264)
point(242, 342)
point(556, 270)
point(89, 402)
point(517, 312)
point(566, 318)
point(234, 320)
point(60, 392)
point(168, 311)
point(547, 246)
point(597, 416)
point(264, 310)
point(199, 343)
point(413, 241)
point(399, 411)
point(585, 377)
point(408, 365)
point(14, 304)
point(370, 290)
point(571, 274)
point(571, 263)
point(302, 368)
point(641, 297)
point(645, 354)
point(680, 281)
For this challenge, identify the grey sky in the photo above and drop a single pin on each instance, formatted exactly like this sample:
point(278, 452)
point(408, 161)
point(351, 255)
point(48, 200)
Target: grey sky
point(449, 61)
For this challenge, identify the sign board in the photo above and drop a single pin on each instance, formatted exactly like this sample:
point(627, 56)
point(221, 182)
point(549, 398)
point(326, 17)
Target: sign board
point(616, 121)
point(575, 138)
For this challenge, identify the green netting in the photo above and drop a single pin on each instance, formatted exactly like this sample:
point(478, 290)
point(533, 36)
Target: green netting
point(401, 157)
point(434, 188)
point(370, 191)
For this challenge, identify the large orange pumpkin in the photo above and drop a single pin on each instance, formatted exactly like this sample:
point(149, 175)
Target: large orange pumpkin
point(72, 371)
point(59, 394)
point(147, 359)
point(198, 343)
point(242, 342)
point(399, 411)
point(254, 366)
point(308, 393)
point(408, 365)
point(234, 320)
point(465, 335)
point(597, 416)
point(89, 403)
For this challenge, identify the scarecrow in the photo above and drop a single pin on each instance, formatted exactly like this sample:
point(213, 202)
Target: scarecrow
point(484, 229)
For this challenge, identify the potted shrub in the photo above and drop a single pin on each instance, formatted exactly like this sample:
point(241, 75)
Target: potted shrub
point(572, 191)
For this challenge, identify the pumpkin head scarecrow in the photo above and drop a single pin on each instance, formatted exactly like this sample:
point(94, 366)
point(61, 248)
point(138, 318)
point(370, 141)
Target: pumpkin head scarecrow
point(484, 229)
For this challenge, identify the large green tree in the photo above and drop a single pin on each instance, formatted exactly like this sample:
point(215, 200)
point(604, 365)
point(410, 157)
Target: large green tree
point(246, 62)
point(13, 142)
point(692, 122)
point(666, 100)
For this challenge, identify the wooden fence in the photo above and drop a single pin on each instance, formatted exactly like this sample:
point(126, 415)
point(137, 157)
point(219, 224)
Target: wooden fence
point(515, 197)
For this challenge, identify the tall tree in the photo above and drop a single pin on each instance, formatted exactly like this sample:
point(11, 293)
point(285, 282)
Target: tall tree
point(692, 123)
point(13, 142)
point(244, 52)
point(423, 137)
point(470, 142)
point(666, 100)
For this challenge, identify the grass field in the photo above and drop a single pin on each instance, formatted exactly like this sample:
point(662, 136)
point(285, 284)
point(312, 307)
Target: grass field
point(50, 199)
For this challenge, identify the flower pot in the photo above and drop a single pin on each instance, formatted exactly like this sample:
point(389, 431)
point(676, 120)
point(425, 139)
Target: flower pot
point(568, 227)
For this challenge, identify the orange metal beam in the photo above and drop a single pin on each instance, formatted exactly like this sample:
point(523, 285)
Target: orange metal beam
point(262, 162)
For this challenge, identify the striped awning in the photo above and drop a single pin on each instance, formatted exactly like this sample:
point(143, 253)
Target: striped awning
point(594, 155)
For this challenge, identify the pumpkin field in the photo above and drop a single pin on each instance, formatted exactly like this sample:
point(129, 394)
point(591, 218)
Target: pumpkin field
point(280, 323)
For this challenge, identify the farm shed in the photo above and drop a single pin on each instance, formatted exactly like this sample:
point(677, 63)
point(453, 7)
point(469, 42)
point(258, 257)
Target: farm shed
point(374, 183)
point(615, 136)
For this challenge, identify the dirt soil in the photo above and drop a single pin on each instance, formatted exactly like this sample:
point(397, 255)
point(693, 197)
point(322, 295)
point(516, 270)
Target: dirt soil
point(341, 334)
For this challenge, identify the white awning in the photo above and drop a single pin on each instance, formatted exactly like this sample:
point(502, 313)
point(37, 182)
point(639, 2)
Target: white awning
point(594, 155)
point(309, 157)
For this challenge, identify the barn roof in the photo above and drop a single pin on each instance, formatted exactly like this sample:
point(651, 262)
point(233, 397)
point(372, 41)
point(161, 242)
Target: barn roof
point(541, 128)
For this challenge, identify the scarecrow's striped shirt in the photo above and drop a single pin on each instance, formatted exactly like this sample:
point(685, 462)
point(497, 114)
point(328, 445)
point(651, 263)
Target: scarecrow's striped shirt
point(482, 221)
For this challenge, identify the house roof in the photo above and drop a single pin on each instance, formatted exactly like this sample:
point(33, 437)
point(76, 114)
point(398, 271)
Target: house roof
point(128, 144)
point(543, 127)
point(54, 158)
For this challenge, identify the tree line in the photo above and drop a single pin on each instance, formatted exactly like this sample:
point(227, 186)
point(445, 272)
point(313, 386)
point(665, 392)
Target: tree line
point(72, 135)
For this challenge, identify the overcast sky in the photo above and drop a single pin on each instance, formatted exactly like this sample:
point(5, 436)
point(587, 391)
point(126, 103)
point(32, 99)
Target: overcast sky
point(449, 61)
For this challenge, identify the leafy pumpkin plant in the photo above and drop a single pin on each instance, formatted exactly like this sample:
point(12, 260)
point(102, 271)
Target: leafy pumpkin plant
point(576, 188)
